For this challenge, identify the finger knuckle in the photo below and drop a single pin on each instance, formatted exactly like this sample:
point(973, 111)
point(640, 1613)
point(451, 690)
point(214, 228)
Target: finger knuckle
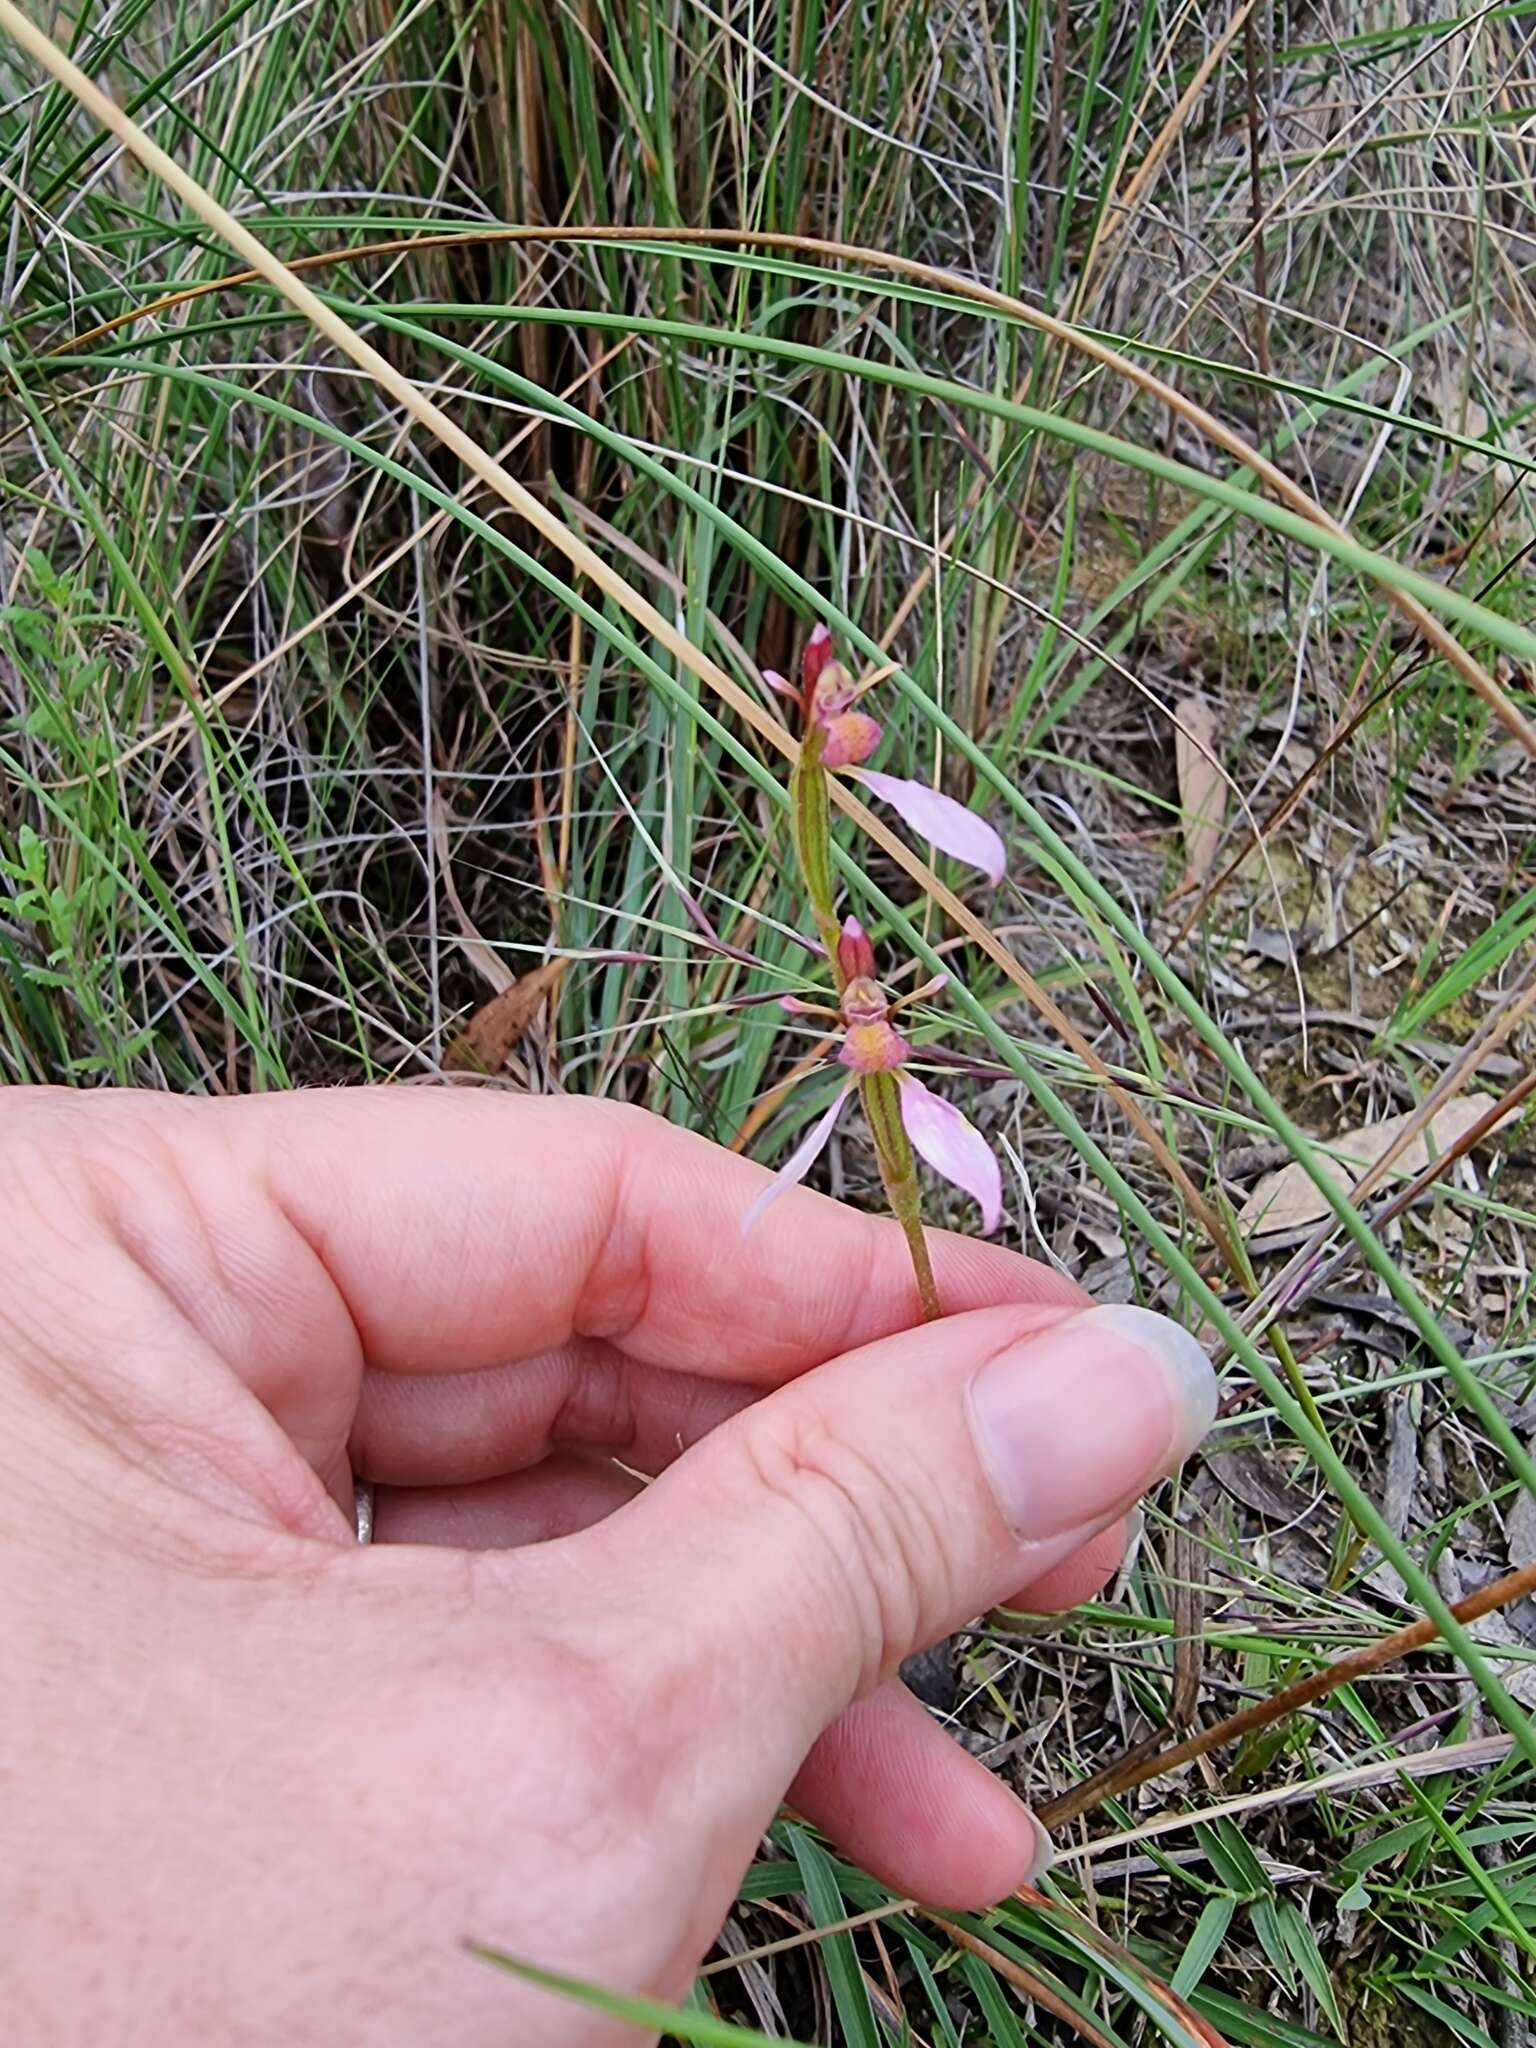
point(872, 1538)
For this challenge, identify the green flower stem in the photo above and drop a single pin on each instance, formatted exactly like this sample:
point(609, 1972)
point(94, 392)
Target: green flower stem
point(811, 821)
point(881, 1096)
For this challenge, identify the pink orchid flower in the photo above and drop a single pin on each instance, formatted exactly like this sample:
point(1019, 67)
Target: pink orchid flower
point(849, 737)
point(872, 1045)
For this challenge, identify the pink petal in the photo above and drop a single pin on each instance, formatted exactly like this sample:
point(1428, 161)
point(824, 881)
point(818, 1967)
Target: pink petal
point(798, 1164)
point(779, 685)
point(953, 1147)
point(855, 955)
point(818, 652)
point(939, 819)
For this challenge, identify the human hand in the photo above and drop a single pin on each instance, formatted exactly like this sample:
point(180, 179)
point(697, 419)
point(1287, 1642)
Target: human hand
point(264, 1782)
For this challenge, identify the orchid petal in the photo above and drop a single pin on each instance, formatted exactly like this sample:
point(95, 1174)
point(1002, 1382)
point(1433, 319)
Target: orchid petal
point(855, 955)
point(780, 685)
point(953, 1147)
point(818, 652)
point(798, 1164)
point(940, 820)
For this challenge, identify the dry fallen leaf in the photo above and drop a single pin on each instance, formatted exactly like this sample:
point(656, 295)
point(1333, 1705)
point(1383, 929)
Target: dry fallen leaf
point(490, 1034)
point(1202, 792)
point(1287, 1200)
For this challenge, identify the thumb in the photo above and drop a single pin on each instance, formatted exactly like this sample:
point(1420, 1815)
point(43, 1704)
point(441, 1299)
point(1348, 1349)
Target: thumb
point(871, 1507)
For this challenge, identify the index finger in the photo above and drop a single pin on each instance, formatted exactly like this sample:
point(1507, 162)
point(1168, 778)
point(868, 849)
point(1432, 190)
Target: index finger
point(464, 1230)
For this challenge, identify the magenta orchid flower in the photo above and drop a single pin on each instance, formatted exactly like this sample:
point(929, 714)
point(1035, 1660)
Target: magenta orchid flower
point(872, 1045)
point(848, 738)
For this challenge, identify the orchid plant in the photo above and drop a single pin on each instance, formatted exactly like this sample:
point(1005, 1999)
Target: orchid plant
point(905, 1118)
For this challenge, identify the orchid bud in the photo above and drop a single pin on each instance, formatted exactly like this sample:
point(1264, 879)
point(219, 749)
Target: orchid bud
point(855, 954)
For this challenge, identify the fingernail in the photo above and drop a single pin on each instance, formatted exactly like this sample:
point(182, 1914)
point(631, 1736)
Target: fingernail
point(1045, 1855)
point(1072, 1425)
